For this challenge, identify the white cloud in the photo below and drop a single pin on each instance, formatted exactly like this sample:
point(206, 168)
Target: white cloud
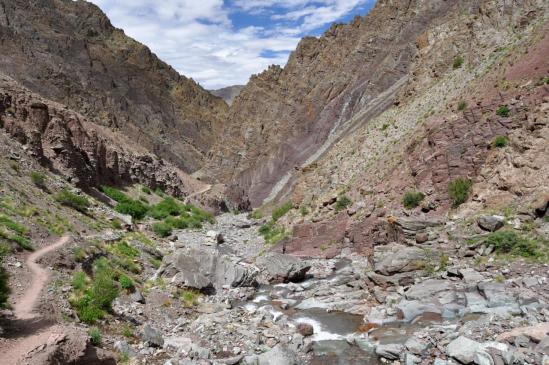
point(199, 39)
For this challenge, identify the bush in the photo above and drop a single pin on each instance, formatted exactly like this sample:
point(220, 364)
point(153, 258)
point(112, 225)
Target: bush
point(503, 111)
point(162, 229)
point(4, 279)
point(189, 297)
point(458, 62)
point(462, 105)
point(500, 142)
point(71, 200)
point(412, 199)
point(125, 282)
point(272, 233)
point(509, 242)
point(281, 211)
point(39, 179)
point(146, 190)
point(343, 201)
point(458, 190)
point(135, 208)
point(79, 280)
point(95, 336)
point(167, 207)
point(103, 290)
point(114, 194)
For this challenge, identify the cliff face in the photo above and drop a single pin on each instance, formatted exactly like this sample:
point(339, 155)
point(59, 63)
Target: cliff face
point(286, 118)
point(228, 93)
point(69, 52)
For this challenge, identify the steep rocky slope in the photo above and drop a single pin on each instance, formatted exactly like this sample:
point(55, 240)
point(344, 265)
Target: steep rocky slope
point(287, 117)
point(228, 93)
point(69, 52)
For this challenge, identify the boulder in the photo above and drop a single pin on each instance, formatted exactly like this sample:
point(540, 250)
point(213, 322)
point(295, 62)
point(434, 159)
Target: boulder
point(401, 259)
point(471, 276)
point(491, 223)
point(305, 329)
point(408, 310)
point(281, 268)
point(278, 355)
point(428, 289)
point(152, 336)
point(463, 349)
point(390, 351)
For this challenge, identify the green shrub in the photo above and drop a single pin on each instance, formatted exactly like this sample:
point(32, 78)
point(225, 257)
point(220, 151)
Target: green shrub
point(272, 233)
point(103, 289)
point(146, 190)
point(343, 201)
point(116, 223)
point(503, 111)
point(79, 254)
point(178, 223)
point(462, 105)
point(95, 336)
point(159, 192)
point(303, 210)
point(124, 249)
point(125, 282)
point(127, 331)
point(189, 297)
point(500, 142)
point(39, 179)
point(71, 200)
point(4, 278)
point(88, 312)
point(162, 229)
point(458, 62)
point(114, 194)
point(135, 208)
point(256, 214)
point(168, 206)
point(412, 199)
point(509, 242)
point(79, 280)
point(281, 211)
point(458, 190)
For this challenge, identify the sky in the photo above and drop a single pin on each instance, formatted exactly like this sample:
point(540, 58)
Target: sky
point(223, 42)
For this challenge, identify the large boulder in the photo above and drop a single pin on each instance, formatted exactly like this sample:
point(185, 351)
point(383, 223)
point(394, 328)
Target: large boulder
point(428, 289)
point(491, 222)
point(278, 355)
point(152, 336)
point(463, 349)
point(281, 268)
point(399, 259)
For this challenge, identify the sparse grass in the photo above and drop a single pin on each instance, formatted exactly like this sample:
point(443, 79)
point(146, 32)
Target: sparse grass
point(500, 142)
point(155, 263)
point(272, 233)
point(127, 331)
point(458, 190)
point(510, 242)
point(499, 278)
point(412, 199)
point(503, 111)
point(458, 62)
point(79, 280)
point(343, 201)
point(14, 232)
point(281, 211)
point(256, 214)
point(114, 193)
point(71, 200)
point(125, 282)
point(303, 210)
point(116, 223)
point(39, 179)
point(14, 165)
point(162, 229)
point(95, 336)
point(146, 190)
point(189, 297)
point(462, 105)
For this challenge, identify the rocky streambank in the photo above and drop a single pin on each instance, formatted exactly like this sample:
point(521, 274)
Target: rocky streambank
point(436, 302)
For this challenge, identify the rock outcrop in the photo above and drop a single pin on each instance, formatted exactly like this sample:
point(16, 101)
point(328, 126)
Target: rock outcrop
point(68, 52)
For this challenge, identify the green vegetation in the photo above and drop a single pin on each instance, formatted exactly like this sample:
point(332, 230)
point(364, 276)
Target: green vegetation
point(146, 190)
point(79, 280)
point(39, 179)
point(343, 201)
point(189, 297)
point(256, 214)
point(510, 242)
point(458, 190)
point(167, 207)
point(503, 111)
point(93, 300)
point(462, 105)
point(500, 142)
point(458, 62)
point(71, 200)
point(14, 165)
point(303, 210)
point(162, 229)
point(125, 282)
point(272, 232)
point(95, 336)
point(4, 288)
point(412, 199)
point(127, 331)
point(135, 208)
point(14, 232)
point(281, 211)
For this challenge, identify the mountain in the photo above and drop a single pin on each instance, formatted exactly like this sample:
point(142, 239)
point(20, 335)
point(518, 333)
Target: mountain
point(68, 52)
point(228, 93)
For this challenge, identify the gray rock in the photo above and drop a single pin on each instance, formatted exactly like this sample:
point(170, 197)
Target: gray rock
point(483, 358)
point(283, 268)
point(408, 310)
point(471, 276)
point(496, 294)
point(401, 259)
point(416, 346)
point(410, 359)
point(490, 222)
point(137, 297)
point(440, 362)
point(278, 355)
point(463, 349)
point(152, 336)
point(428, 289)
point(543, 346)
point(124, 348)
point(390, 351)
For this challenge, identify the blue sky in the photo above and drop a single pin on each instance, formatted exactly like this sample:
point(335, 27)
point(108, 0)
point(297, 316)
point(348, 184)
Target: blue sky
point(222, 42)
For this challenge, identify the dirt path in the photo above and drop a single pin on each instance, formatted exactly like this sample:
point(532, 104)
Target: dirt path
point(200, 192)
point(24, 310)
